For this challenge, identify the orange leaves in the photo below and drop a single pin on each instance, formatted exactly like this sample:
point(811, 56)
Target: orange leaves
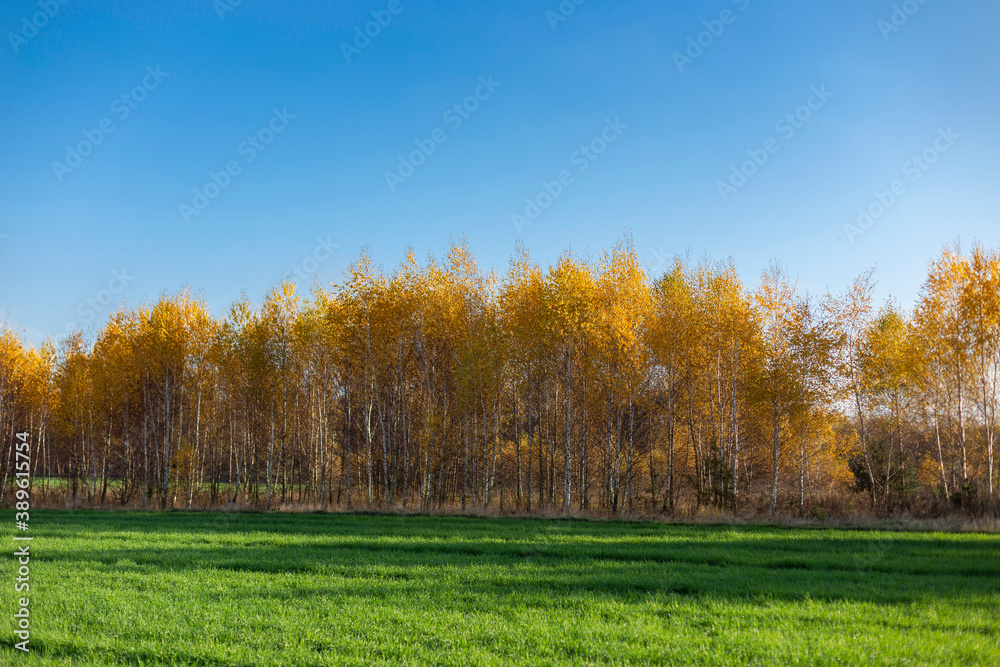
point(953, 312)
point(887, 352)
point(26, 375)
point(569, 299)
point(979, 301)
point(624, 310)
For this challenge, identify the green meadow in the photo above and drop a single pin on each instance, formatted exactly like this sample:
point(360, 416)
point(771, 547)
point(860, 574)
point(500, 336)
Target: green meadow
point(131, 588)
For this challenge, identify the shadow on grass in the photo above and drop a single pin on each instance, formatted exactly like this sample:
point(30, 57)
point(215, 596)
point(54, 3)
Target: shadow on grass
point(474, 558)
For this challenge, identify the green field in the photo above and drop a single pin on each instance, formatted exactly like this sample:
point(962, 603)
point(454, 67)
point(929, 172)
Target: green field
point(279, 589)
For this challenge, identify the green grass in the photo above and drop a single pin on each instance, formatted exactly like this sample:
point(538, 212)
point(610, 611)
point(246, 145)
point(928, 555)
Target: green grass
point(276, 589)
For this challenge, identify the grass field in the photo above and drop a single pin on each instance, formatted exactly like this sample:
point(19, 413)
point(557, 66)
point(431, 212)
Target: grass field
point(279, 589)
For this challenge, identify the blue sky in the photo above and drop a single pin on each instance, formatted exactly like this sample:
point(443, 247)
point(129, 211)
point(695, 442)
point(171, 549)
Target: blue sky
point(206, 84)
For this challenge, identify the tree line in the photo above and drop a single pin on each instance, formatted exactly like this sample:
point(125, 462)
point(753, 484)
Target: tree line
point(584, 386)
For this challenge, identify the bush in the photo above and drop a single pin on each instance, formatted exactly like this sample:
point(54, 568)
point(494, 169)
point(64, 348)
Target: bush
point(966, 495)
point(817, 513)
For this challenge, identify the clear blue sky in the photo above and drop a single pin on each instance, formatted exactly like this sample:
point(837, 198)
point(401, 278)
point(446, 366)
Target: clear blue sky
point(324, 174)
